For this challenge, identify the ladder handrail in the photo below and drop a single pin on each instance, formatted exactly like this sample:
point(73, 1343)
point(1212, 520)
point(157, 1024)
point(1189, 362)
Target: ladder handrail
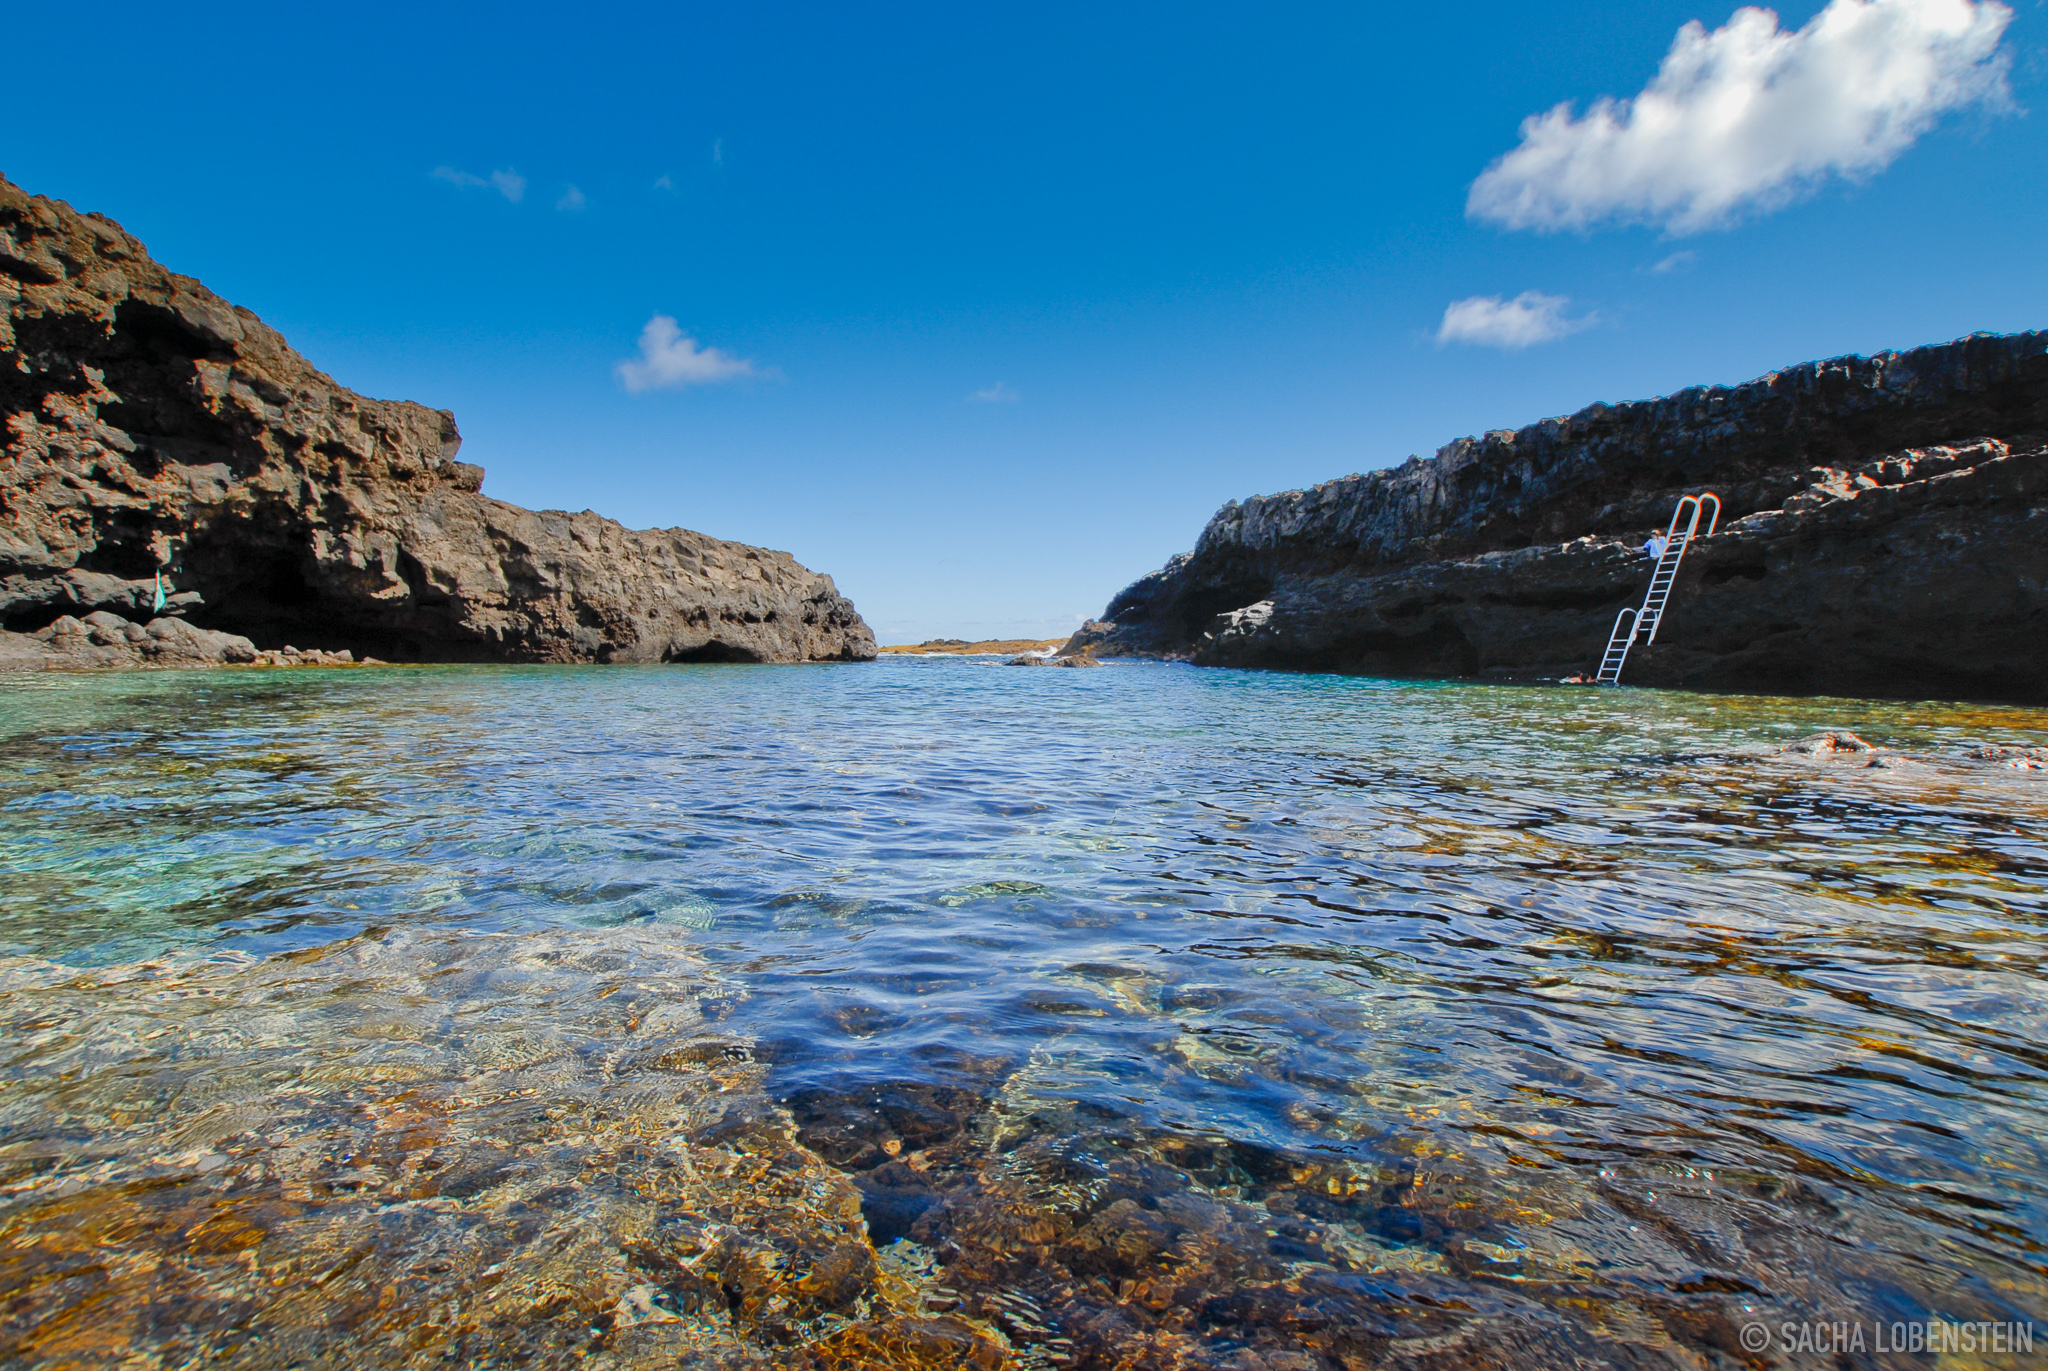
point(1610, 664)
point(1674, 553)
point(1697, 508)
point(1662, 579)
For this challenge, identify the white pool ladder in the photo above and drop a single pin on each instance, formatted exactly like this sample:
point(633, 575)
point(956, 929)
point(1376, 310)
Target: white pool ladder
point(1643, 622)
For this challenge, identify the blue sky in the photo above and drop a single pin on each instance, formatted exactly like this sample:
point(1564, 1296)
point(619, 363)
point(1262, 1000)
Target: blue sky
point(1185, 253)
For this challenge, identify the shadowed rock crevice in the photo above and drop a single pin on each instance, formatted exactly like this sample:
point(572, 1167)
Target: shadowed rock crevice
point(712, 651)
point(152, 425)
point(1884, 531)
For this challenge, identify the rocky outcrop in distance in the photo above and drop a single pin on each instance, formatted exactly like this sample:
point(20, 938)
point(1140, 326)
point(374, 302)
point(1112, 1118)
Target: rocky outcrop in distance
point(981, 647)
point(1884, 532)
point(152, 427)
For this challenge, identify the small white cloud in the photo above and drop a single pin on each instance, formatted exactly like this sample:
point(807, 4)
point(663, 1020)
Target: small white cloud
point(663, 182)
point(1490, 321)
point(671, 359)
point(1001, 393)
point(1749, 116)
point(1677, 261)
point(572, 199)
point(718, 151)
point(510, 184)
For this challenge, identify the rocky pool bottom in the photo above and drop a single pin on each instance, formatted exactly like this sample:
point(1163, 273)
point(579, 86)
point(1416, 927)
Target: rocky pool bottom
point(928, 1014)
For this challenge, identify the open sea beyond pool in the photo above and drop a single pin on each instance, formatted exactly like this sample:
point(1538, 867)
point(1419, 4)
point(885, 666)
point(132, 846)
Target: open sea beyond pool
point(934, 1014)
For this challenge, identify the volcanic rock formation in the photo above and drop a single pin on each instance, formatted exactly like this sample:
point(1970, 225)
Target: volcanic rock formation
point(153, 427)
point(1884, 531)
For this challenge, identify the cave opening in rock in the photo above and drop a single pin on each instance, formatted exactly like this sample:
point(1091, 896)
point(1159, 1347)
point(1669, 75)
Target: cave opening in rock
point(36, 618)
point(122, 548)
point(712, 651)
point(260, 592)
point(1199, 606)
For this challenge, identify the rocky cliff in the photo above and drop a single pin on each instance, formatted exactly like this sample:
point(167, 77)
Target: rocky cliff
point(153, 426)
point(1884, 532)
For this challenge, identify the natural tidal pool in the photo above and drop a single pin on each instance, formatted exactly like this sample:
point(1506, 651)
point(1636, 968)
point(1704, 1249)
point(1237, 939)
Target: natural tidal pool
point(929, 1013)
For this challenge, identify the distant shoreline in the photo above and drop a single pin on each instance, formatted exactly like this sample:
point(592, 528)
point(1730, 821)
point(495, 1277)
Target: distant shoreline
point(956, 647)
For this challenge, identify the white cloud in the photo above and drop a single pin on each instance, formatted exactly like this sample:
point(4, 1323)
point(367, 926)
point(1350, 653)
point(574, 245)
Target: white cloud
point(670, 359)
point(718, 151)
point(1749, 116)
point(1489, 321)
point(510, 184)
point(665, 182)
point(572, 199)
point(1677, 261)
point(1001, 393)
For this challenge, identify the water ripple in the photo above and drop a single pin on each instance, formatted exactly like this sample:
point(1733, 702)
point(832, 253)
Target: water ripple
point(1616, 991)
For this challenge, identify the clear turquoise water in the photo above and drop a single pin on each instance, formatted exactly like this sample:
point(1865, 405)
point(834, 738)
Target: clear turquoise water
point(1676, 1014)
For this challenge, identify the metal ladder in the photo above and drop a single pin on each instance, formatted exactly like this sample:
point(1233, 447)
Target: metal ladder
point(1651, 615)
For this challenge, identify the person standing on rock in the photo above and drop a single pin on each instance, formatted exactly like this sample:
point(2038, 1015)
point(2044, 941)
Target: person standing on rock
point(165, 547)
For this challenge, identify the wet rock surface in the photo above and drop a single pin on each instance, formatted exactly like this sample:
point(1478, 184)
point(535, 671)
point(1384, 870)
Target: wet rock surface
point(153, 426)
point(1882, 533)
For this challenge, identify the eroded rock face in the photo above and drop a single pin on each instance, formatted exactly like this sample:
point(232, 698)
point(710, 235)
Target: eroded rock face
point(151, 423)
point(1884, 532)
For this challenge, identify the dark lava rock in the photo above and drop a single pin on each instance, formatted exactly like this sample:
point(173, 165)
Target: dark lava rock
point(1069, 660)
point(152, 425)
point(1884, 532)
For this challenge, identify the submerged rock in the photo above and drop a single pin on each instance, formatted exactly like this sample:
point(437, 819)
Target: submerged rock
point(1973, 764)
point(1829, 743)
point(1881, 534)
point(152, 424)
point(416, 1149)
point(2016, 756)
